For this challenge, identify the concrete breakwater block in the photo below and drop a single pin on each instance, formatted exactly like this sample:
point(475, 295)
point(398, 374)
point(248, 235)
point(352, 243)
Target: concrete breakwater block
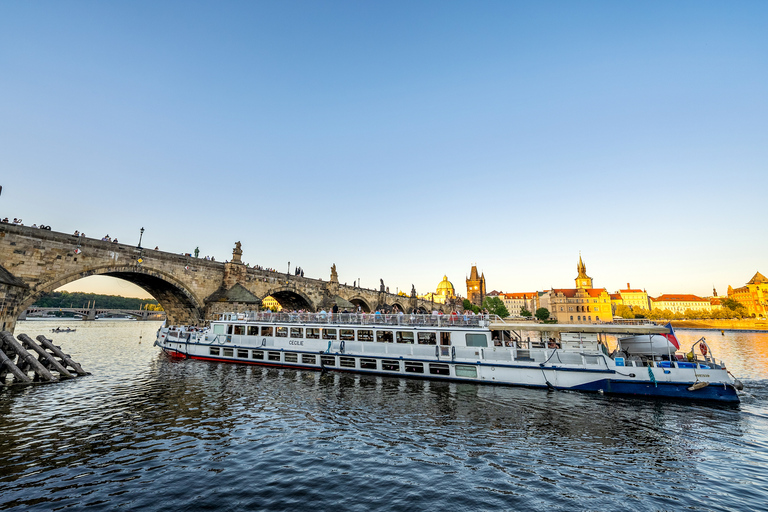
point(25, 361)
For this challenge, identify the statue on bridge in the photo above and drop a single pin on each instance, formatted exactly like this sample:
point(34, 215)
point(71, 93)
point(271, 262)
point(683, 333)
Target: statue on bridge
point(413, 291)
point(334, 274)
point(237, 253)
point(381, 288)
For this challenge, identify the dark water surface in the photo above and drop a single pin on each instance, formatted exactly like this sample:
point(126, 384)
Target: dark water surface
point(147, 433)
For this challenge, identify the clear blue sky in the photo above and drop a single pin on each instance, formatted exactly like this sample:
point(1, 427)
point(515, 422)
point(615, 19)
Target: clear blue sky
point(400, 140)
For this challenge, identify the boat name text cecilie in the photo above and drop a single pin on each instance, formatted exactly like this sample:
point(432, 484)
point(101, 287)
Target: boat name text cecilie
point(296, 342)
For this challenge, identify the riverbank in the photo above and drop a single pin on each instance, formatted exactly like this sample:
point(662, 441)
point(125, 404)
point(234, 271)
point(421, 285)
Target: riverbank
point(723, 325)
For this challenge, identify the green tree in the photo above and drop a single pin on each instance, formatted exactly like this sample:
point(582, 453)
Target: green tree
point(542, 314)
point(495, 306)
point(468, 306)
point(524, 312)
point(624, 311)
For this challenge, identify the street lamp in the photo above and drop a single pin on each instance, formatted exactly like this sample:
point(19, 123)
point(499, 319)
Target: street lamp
point(141, 235)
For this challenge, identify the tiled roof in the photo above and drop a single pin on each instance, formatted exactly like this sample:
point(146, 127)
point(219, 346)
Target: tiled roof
point(670, 297)
point(571, 292)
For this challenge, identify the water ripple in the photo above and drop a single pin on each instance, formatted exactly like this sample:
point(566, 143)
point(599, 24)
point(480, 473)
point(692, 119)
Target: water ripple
point(145, 432)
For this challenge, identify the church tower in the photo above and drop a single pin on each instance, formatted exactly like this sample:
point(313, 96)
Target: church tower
point(476, 287)
point(583, 280)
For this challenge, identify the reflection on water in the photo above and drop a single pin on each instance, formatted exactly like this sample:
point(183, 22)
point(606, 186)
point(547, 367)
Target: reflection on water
point(147, 432)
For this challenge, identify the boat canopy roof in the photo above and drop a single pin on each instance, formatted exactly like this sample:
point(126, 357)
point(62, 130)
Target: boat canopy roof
point(498, 324)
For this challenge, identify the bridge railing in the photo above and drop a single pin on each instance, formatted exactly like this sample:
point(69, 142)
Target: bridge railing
point(359, 319)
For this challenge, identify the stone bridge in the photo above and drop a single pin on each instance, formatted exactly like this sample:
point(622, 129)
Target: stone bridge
point(192, 291)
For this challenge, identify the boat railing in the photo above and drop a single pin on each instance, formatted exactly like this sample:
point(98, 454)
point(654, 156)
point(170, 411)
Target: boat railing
point(373, 319)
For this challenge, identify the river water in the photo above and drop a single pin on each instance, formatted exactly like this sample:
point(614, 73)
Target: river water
point(144, 432)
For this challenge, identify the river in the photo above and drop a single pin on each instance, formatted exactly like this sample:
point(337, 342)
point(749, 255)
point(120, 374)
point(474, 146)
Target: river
point(144, 432)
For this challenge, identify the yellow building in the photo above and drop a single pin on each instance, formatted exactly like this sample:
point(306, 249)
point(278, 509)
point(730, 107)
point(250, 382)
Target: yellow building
point(634, 298)
point(582, 304)
point(514, 302)
point(445, 291)
point(754, 295)
point(271, 303)
point(679, 303)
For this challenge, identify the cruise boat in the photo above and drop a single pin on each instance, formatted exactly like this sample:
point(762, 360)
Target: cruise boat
point(462, 348)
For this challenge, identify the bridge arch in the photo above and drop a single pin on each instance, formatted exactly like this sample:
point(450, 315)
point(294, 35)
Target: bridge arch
point(398, 307)
point(359, 301)
point(181, 305)
point(290, 298)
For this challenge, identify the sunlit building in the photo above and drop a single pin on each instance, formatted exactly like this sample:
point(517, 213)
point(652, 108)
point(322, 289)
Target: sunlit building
point(754, 295)
point(271, 303)
point(476, 287)
point(679, 303)
point(445, 291)
point(634, 298)
point(583, 304)
point(515, 302)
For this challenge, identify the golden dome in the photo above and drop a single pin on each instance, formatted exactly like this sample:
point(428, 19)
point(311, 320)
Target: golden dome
point(446, 288)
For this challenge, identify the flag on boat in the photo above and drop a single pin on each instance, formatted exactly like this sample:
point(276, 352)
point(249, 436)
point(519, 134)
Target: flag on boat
point(671, 336)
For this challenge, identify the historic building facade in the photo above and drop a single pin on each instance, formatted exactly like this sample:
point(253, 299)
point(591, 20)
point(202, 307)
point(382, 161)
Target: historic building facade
point(583, 304)
point(514, 302)
point(635, 298)
point(679, 303)
point(444, 293)
point(754, 295)
point(476, 287)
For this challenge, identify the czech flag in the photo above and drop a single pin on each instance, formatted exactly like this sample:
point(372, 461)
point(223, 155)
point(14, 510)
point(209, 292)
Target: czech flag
point(671, 336)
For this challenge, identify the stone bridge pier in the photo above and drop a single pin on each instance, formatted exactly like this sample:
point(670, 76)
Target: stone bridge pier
point(192, 291)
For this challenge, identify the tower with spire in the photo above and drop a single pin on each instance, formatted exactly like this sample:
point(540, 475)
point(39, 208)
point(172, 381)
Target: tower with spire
point(476, 287)
point(582, 280)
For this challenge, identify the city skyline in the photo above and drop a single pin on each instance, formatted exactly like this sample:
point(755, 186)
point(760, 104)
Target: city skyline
point(400, 142)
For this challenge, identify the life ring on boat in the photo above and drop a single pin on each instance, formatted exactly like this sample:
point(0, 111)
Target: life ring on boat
point(703, 349)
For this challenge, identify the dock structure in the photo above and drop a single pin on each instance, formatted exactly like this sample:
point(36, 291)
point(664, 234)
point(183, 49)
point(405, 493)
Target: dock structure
point(24, 361)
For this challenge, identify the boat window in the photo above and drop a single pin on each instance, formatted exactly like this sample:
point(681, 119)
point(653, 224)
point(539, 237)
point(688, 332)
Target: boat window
point(239, 330)
point(253, 330)
point(291, 357)
point(445, 338)
point(476, 340)
point(282, 332)
point(347, 362)
point(242, 353)
point(257, 354)
point(308, 359)
point(364, 335)
point(329, 334)
point(297, 332)
point(466, 371)
point(405, 337)
point(229, 329)
point(427, 338)
point(412, 367)
point(328, 360)
point(347, 334)
point(390, 365)
point(218, 328)
point(439, 369)
point(266, 331)
point(228, 352)
point(367, 364)
point(214, 351)
point(384, 336)
point(273, 356)
point(313, 333)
